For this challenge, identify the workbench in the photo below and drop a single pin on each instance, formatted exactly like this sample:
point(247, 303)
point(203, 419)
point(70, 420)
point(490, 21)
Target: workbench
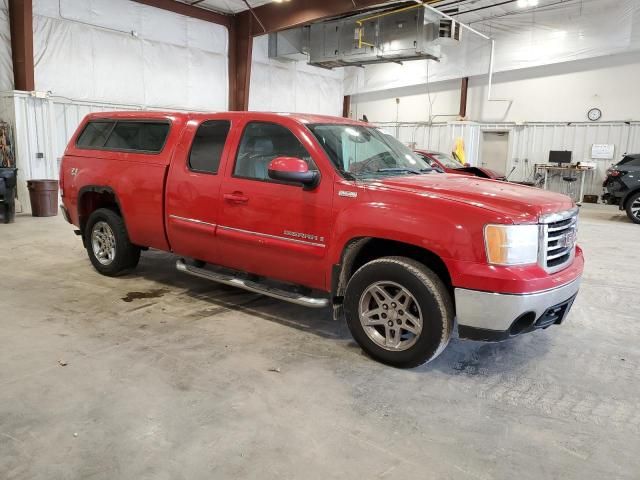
point(581, 172)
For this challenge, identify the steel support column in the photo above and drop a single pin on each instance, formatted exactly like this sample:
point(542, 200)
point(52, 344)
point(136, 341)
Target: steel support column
point(240, 52)
point(464, 89)
point(21, 24)
point(346, 106)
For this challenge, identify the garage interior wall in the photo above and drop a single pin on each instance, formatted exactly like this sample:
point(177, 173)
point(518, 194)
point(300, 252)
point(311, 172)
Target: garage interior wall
point(554, 93)
point(124, 52)
point(101, 55)
point(6, 63)
point(292, 86)
point(553, 66)
point(557, 33)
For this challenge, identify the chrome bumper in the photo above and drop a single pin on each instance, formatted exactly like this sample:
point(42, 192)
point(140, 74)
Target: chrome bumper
point(476, 310)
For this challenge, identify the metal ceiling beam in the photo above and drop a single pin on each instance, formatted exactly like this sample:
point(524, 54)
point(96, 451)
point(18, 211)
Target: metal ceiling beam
point(21, 24)
point(280, 16)
point(189, 11)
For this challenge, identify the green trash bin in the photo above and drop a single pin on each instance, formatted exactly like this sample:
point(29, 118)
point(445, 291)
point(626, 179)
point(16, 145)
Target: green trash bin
point(43, 195)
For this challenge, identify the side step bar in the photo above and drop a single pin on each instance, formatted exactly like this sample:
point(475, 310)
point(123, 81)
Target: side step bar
point(255, 287)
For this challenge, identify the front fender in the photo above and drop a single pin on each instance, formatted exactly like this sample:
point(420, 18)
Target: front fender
point(445, 228)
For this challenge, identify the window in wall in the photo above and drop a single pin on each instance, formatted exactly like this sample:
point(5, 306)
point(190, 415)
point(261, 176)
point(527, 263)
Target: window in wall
point(138, 136)
point(207, 146)
point(95, 134)
point(261, 143)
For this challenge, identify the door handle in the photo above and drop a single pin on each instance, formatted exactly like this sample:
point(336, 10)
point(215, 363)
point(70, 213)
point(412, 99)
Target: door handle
point(235, 197)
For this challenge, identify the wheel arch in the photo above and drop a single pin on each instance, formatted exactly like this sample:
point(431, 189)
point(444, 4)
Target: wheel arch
point(93, 197)
point(361, 250)
point(627, 197)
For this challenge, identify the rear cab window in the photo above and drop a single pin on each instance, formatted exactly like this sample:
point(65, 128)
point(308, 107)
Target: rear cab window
point(208, 145)
point(143, 136)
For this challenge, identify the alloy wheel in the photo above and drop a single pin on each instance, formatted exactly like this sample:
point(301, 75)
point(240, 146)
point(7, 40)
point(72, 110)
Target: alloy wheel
point(635, 208)
point(390, 316)
point(103, 243)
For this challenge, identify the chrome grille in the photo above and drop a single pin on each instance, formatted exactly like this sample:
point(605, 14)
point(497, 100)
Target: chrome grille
point(558, 240)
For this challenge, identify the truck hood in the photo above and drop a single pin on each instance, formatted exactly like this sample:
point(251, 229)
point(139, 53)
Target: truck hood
point(520, 203)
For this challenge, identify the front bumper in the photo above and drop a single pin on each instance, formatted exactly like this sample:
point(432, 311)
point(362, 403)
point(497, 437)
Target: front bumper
point(497, 316)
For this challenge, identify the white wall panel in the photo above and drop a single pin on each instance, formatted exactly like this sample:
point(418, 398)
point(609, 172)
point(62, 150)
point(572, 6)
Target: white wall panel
point(121, 51)
point(280, 86)
point(6, 63)
point(556, 93)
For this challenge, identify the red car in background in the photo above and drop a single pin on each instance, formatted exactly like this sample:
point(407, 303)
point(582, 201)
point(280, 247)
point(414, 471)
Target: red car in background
point(448, 164)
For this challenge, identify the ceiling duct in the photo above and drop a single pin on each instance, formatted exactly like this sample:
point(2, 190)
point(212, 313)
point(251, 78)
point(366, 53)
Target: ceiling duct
point(291, 45)
point(410, 33)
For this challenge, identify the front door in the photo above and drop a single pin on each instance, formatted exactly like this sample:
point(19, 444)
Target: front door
point(495, 151)
point(270, 228)
point(193, 189)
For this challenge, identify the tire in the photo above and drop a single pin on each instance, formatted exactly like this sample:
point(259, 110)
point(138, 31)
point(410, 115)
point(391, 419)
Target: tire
point(107, 227)
point(633, 208)
point(405, 283)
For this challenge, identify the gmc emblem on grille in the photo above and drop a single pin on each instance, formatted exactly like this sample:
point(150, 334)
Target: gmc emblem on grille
point(568, 240)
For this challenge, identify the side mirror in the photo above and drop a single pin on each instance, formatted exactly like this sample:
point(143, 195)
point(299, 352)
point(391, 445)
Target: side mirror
point(295, 170)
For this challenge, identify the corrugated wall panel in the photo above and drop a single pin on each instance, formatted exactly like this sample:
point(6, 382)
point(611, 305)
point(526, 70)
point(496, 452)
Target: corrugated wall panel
point(530, 143)
point(42, 128)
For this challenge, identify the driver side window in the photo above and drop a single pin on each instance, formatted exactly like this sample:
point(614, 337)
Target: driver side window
point(262, 142)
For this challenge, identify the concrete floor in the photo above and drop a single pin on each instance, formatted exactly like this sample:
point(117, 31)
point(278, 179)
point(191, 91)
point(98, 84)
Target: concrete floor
point(163, 376)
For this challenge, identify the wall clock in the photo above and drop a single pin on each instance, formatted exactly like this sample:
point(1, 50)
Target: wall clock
point(594, 114)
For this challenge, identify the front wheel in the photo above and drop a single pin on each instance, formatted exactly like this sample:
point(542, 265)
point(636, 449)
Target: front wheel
point(108, 245)
point(633, 208)
point(399, 311)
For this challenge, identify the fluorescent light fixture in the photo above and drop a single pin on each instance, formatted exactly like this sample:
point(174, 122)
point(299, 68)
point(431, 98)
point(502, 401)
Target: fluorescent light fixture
point(527, 3)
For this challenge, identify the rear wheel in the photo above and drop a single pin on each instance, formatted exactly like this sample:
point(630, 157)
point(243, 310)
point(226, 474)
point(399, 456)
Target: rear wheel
point(633, 208)
point(108, 245)
point(399, 311)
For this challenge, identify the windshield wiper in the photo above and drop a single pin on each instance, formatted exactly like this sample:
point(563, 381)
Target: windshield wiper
point(399, 170)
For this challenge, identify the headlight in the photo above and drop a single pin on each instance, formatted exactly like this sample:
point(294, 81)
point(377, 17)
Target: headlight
point(511, 244)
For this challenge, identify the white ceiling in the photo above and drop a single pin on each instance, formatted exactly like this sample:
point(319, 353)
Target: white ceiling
point(474, 11)
point(225, 6)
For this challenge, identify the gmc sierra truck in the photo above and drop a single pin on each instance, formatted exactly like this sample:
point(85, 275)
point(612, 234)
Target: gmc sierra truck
point(325, 212)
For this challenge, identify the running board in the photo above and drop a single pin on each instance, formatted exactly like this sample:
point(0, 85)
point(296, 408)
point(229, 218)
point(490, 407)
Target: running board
point(255, 287)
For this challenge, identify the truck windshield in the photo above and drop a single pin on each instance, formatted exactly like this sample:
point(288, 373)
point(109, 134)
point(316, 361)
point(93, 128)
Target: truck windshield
point(367, 152)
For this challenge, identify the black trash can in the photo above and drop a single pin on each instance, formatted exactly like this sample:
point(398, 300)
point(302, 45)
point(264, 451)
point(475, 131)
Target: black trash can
point(8, 182)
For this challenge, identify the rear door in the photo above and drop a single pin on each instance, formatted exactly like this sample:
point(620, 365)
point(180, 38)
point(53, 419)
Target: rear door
point(193, 189)
point(270, 228)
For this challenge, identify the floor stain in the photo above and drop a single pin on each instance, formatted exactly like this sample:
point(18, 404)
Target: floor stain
point(155, 293)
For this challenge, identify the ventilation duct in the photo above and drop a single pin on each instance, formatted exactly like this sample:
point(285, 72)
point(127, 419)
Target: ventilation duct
point(410, 33)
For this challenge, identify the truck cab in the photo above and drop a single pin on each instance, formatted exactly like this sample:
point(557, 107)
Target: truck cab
point(324, 212)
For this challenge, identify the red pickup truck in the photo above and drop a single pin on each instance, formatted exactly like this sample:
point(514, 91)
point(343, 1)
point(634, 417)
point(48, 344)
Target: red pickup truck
point(325, 212)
